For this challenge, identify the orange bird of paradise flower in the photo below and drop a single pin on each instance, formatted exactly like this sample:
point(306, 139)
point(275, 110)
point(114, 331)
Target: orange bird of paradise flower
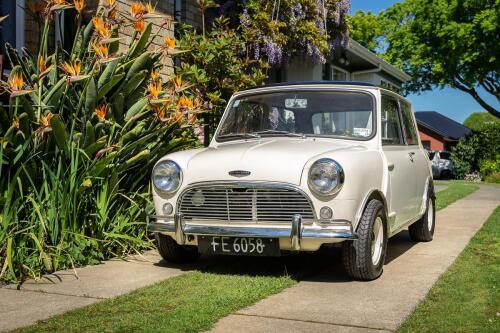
point(170, 43)
point(101, 112)
point(139, 25)
point(155, 89)
point(72, 68)
point(79, 5)
point(136, 9)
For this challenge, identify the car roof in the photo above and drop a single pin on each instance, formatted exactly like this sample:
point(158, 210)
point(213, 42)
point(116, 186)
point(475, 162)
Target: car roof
point(306, 83)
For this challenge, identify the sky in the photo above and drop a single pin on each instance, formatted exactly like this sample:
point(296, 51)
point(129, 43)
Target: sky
point(452, 103)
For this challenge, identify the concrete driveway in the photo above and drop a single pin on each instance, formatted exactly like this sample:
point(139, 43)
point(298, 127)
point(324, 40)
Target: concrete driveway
point(330, 302)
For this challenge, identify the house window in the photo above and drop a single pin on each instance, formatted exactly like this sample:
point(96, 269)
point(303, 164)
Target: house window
point(339, 74)
point(427, 145)
point(8, 26)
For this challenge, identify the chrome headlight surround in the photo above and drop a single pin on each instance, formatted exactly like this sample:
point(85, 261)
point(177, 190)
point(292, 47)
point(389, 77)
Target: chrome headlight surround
point(326, 177)
point(166, 177)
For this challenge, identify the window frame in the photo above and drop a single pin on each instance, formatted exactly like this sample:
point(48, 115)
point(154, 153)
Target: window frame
point(405, 136)
point(402, 137)
point(298, 90)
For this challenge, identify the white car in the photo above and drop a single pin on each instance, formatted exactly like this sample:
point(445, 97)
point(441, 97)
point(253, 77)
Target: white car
point(292, 167)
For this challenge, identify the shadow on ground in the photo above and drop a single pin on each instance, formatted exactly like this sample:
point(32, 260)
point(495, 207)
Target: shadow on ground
point(321, 266)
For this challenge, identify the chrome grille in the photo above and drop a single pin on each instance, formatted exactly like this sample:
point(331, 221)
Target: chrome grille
point(244, 203)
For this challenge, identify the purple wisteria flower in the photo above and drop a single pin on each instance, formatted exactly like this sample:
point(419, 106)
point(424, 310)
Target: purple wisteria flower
point(245, 18)
point(273, 52)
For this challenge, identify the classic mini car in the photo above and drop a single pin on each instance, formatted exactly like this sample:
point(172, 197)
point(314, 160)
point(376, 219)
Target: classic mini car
point(293, 167)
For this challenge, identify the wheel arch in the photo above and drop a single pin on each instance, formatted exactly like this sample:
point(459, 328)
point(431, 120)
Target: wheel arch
point(372, 194)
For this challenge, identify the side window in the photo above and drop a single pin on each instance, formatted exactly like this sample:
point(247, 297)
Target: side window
point(410, 129)
point(391, 129)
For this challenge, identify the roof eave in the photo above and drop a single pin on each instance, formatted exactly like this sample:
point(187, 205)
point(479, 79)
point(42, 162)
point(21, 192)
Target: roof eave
point(363, 52)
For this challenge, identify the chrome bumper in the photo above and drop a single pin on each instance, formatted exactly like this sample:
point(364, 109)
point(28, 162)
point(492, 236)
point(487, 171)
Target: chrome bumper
point(296, 231)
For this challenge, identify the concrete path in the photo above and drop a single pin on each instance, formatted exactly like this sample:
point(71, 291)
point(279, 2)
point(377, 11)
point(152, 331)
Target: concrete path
point(330, 302)
point(67, 290)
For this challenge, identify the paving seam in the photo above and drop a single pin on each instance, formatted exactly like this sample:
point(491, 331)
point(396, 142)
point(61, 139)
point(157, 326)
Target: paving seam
point(312, 322)
point(55, 293)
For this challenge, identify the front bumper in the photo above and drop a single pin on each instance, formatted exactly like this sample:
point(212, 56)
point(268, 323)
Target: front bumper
point(297, 231)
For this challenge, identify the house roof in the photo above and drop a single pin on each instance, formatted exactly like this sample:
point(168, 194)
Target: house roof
point(377, 62)
point(442, 125)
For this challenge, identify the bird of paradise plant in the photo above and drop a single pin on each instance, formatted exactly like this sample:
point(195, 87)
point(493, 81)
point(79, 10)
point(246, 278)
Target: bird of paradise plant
point(78, 139)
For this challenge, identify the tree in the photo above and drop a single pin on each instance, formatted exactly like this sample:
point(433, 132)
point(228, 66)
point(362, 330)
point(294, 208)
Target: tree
point(478, 120)
point(447, 43)
point(365, 28)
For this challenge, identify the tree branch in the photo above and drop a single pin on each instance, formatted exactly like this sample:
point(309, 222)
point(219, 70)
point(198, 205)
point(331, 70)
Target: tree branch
point(459, 84)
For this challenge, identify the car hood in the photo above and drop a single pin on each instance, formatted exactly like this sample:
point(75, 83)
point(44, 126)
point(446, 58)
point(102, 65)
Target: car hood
point(269, 159)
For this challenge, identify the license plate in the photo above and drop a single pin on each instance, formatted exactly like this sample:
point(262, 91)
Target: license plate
point(246, 246)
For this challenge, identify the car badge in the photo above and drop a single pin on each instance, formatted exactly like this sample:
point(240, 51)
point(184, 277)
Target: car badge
point(239, 173)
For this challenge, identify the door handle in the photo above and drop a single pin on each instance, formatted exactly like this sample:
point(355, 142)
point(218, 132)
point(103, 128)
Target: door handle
point(390, 166)
point(411, 154)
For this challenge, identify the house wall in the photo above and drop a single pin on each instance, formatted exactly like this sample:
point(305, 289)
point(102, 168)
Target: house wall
point(189, 12)
point(436, 142)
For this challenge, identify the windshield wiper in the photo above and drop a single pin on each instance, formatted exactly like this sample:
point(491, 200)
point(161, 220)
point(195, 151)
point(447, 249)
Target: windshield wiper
point(276, 132)
point(239, 135)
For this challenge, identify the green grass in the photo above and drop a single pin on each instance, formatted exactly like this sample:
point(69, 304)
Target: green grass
point(187, 303)
point(194, 301)
point(454, 192)
point(467, 297)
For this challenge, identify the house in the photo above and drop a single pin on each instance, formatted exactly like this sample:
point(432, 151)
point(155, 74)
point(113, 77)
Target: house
point(438, 132)
point(351, 62)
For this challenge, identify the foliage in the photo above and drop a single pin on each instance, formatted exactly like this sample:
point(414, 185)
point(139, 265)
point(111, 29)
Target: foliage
point(79, 137)
point(218, 64)
point(478, 146)
point(493, 178)
point(447, 43)
point(477, 120)
point(295, 28)
point(367, 29)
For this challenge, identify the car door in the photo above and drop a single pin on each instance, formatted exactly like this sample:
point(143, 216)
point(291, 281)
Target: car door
point(419, 165)
point(401, 182)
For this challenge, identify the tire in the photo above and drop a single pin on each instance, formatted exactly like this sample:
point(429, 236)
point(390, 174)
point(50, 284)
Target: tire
point(174, 253)
point(423, 229)
point(358, 256)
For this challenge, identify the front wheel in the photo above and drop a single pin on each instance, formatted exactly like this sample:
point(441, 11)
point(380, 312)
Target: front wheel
point(364, 257)
point(174, 253)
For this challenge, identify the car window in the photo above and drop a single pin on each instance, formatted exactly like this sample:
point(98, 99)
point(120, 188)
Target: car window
point(445, 155)
point(410, 129)
point(391, 129)
point(338, 114)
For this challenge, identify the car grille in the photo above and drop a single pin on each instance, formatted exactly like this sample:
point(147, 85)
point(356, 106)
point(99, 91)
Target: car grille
point(244, 203)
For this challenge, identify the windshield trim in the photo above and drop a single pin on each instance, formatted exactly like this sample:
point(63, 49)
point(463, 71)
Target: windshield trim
point(243, 94)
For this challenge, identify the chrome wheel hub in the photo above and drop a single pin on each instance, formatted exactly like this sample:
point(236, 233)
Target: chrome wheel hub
point(377, 240)
point(430, 215)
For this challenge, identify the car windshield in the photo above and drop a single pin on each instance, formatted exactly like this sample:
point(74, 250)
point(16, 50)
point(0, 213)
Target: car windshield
point(299, 113)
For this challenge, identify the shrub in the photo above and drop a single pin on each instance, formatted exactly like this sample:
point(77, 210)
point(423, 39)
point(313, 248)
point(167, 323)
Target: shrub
point(478, 146)
point(489, 167)
point(79, 137)
point(493, 178)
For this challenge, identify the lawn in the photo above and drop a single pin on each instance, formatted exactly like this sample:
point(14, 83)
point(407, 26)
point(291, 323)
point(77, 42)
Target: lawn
point(467, 297)
point(193, 302)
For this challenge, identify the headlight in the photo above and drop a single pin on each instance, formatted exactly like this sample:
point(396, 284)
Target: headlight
point(167, 176)
point(326, 177)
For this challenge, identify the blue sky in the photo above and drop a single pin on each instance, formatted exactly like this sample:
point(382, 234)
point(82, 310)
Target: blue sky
point(450, 102)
